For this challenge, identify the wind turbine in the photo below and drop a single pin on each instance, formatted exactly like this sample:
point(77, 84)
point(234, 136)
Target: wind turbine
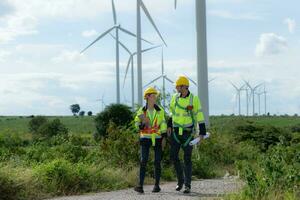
point(252, 89)
point(131, 63)
point(258, 95)
point(117, 27)
point(139, 5)
point(102, 101)
point(238, 90)
point(265, 95)
point(163, 76)
point(247, 100)
point(202, 72)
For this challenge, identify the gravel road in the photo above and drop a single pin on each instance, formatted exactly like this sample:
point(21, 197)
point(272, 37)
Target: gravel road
point(202, 189)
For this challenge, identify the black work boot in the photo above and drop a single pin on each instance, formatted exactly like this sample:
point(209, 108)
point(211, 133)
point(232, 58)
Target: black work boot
point(179, 186)
point(139, 189)
point(187, 189)
point(156, 188)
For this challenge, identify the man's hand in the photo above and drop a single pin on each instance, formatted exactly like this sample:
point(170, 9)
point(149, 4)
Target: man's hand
point(169, 131)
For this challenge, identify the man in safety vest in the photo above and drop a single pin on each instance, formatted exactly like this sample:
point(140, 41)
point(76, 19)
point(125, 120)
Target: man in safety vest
point(150, 121)
point(186, 122)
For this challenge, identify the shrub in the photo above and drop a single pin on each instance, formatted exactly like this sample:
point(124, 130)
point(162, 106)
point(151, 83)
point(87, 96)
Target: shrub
point(90, 113)
point(53, 128)
point(9, 190)
point(10, 140)
point(121, 147)
point(262, 136)
point(36, 122)
point(277, 170)
point(119, 114)
point(295, 128)
point(61, 177)
point(82, 113)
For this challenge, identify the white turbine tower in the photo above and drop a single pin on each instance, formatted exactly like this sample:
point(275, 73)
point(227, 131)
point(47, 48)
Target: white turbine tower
point(238, 93)
point(265, 95)
point(252, 89)
point(202, 72)
point(163, 76)
point(117, 27)
point(131, 63)
point(139, 5)
point(258, 96)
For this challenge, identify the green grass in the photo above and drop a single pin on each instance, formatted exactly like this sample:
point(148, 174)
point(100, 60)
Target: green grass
point(76, 125)
point(277, 121)
point(86, 125)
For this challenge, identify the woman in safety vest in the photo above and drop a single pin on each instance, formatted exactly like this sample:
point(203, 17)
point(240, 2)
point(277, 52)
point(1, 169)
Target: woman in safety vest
point(150, 121)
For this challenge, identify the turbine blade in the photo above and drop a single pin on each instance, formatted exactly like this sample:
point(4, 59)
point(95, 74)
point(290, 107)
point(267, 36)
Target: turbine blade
point(162, 61)
point(127, 68)
point(114, 11)
point(98, 38)
point(151, 21)
point(175, 4)
point(212, 79)
point(192, 81)
point(234, 85)
point(168, 79)
point(152, 81)
point(122, 45)
point(145, 50)
point(132, 34)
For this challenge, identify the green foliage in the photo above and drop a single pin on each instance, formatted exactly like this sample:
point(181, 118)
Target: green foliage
point(90, 113)
point(52, 128)
point(61, 177)
point(277, 170)
point(262, 136)
point(36, 122)
point(9, 190)
point(123, 144)
point(119, 114)
point(295, 128)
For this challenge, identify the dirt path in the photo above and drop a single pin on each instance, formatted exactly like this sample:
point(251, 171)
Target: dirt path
point(202, 189)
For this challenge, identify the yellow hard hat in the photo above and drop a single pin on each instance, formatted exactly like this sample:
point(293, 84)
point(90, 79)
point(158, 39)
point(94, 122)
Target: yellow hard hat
point(182, 80)
point(150, 90)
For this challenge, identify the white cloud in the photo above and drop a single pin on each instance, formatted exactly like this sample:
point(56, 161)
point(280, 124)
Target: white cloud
point(3, 55)
point(17, 25)
point(89, 33)
point(270, 44)
point(236, 16)
point(291, 23)
point(68, 56)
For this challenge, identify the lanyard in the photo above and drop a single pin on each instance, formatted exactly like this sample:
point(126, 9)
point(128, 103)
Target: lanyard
point(152, 116)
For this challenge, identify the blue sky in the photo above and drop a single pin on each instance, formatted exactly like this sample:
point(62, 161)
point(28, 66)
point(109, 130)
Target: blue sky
point(42, 72)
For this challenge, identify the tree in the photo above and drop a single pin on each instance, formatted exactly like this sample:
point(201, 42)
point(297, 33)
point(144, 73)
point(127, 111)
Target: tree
point(36, 122)
point(119, 114)
point(90, 113)
point(53, 128)
point(75, 108)
point(81, 113)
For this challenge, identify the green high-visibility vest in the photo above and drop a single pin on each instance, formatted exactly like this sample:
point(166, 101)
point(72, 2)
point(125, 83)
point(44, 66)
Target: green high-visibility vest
point(182, 117)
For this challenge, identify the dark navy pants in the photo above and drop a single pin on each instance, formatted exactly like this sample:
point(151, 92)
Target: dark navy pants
point(183, 176)
point(146, 144)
